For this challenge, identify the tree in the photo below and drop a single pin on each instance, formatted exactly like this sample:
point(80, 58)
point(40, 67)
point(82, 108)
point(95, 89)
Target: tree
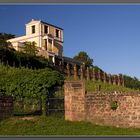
point(3, 39)
point(131, 82)
point(30, 48)
point(83, 56)
point(6, 36)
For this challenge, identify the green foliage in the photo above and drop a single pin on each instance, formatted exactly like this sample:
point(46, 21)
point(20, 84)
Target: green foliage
point(30, 48)
point(14, 58)
point(11, 57)
point(83, 56)
point(3, 39)
point(130, 82)
point(22, 82)
point(105, 87)
point(6, 36)
point(91, 85)
point(114, 105)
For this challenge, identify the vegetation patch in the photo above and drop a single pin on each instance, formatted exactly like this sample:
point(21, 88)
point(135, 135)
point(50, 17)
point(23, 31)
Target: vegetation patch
point(114, 105)
point(95, 85)
point(105, 87)
point(47, 126)
point(23, 83)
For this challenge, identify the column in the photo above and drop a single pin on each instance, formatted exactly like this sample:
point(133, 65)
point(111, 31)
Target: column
point(87, 70)
point(47, 44)
point(81, 72)
point(114, 80)
point(119, 82)
point(68, 69)
point(104, 75)
point(52, 44)
point(93, 73)
point(75, 72)
point(109, 78)
point(122, 80)
point(99, 75)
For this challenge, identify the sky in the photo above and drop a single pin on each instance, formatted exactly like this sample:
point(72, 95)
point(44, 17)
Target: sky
point(110, 34)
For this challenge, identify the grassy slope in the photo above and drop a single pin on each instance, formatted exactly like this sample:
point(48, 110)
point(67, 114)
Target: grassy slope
point(58, 126)
point(105, 87)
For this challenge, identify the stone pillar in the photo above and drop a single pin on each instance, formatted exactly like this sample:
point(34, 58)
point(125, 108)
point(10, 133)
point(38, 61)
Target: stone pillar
point(109, 79)
point(119, 82)
point(122, 80)
point(68, 70)
point(93, 73)
point(87, 70)
point(74, 102)
point(81, 72)
point(114, 80)
point(75, 71)
point(99, 75)
point(104, 75)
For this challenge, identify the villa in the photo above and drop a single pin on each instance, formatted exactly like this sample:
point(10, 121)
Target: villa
point(48, 39)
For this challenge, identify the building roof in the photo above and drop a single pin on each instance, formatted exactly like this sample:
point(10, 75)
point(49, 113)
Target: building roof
point(33, 20)
point(70, 60)
point(51, 25)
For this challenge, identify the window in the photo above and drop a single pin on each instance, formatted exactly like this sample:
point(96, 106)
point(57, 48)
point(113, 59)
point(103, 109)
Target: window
point(57, 33)
point(33, 29)
point(45, 29)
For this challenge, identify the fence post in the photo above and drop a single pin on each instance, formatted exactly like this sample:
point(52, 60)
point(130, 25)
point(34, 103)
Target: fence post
point(93, 74)
point(119, 80)
point(68, 70)
point(81, 72)
point(87, 70)
point(104, 75)
point(109, 78)
point(122, 80)
point(75, 72)
point(99, 75)
point(114, 80)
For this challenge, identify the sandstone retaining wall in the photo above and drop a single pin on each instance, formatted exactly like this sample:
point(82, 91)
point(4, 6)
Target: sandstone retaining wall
point(96, 107)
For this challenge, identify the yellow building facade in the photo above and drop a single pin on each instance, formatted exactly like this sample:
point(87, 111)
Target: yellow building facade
point(48, 39)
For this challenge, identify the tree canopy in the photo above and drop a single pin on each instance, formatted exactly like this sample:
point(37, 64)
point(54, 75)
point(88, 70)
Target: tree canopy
point(83, 56)
point(30, 48)
point(131, 82)
point(6, 36)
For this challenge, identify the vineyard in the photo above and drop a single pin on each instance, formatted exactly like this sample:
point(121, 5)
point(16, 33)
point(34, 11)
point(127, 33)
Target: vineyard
point(28, 86)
